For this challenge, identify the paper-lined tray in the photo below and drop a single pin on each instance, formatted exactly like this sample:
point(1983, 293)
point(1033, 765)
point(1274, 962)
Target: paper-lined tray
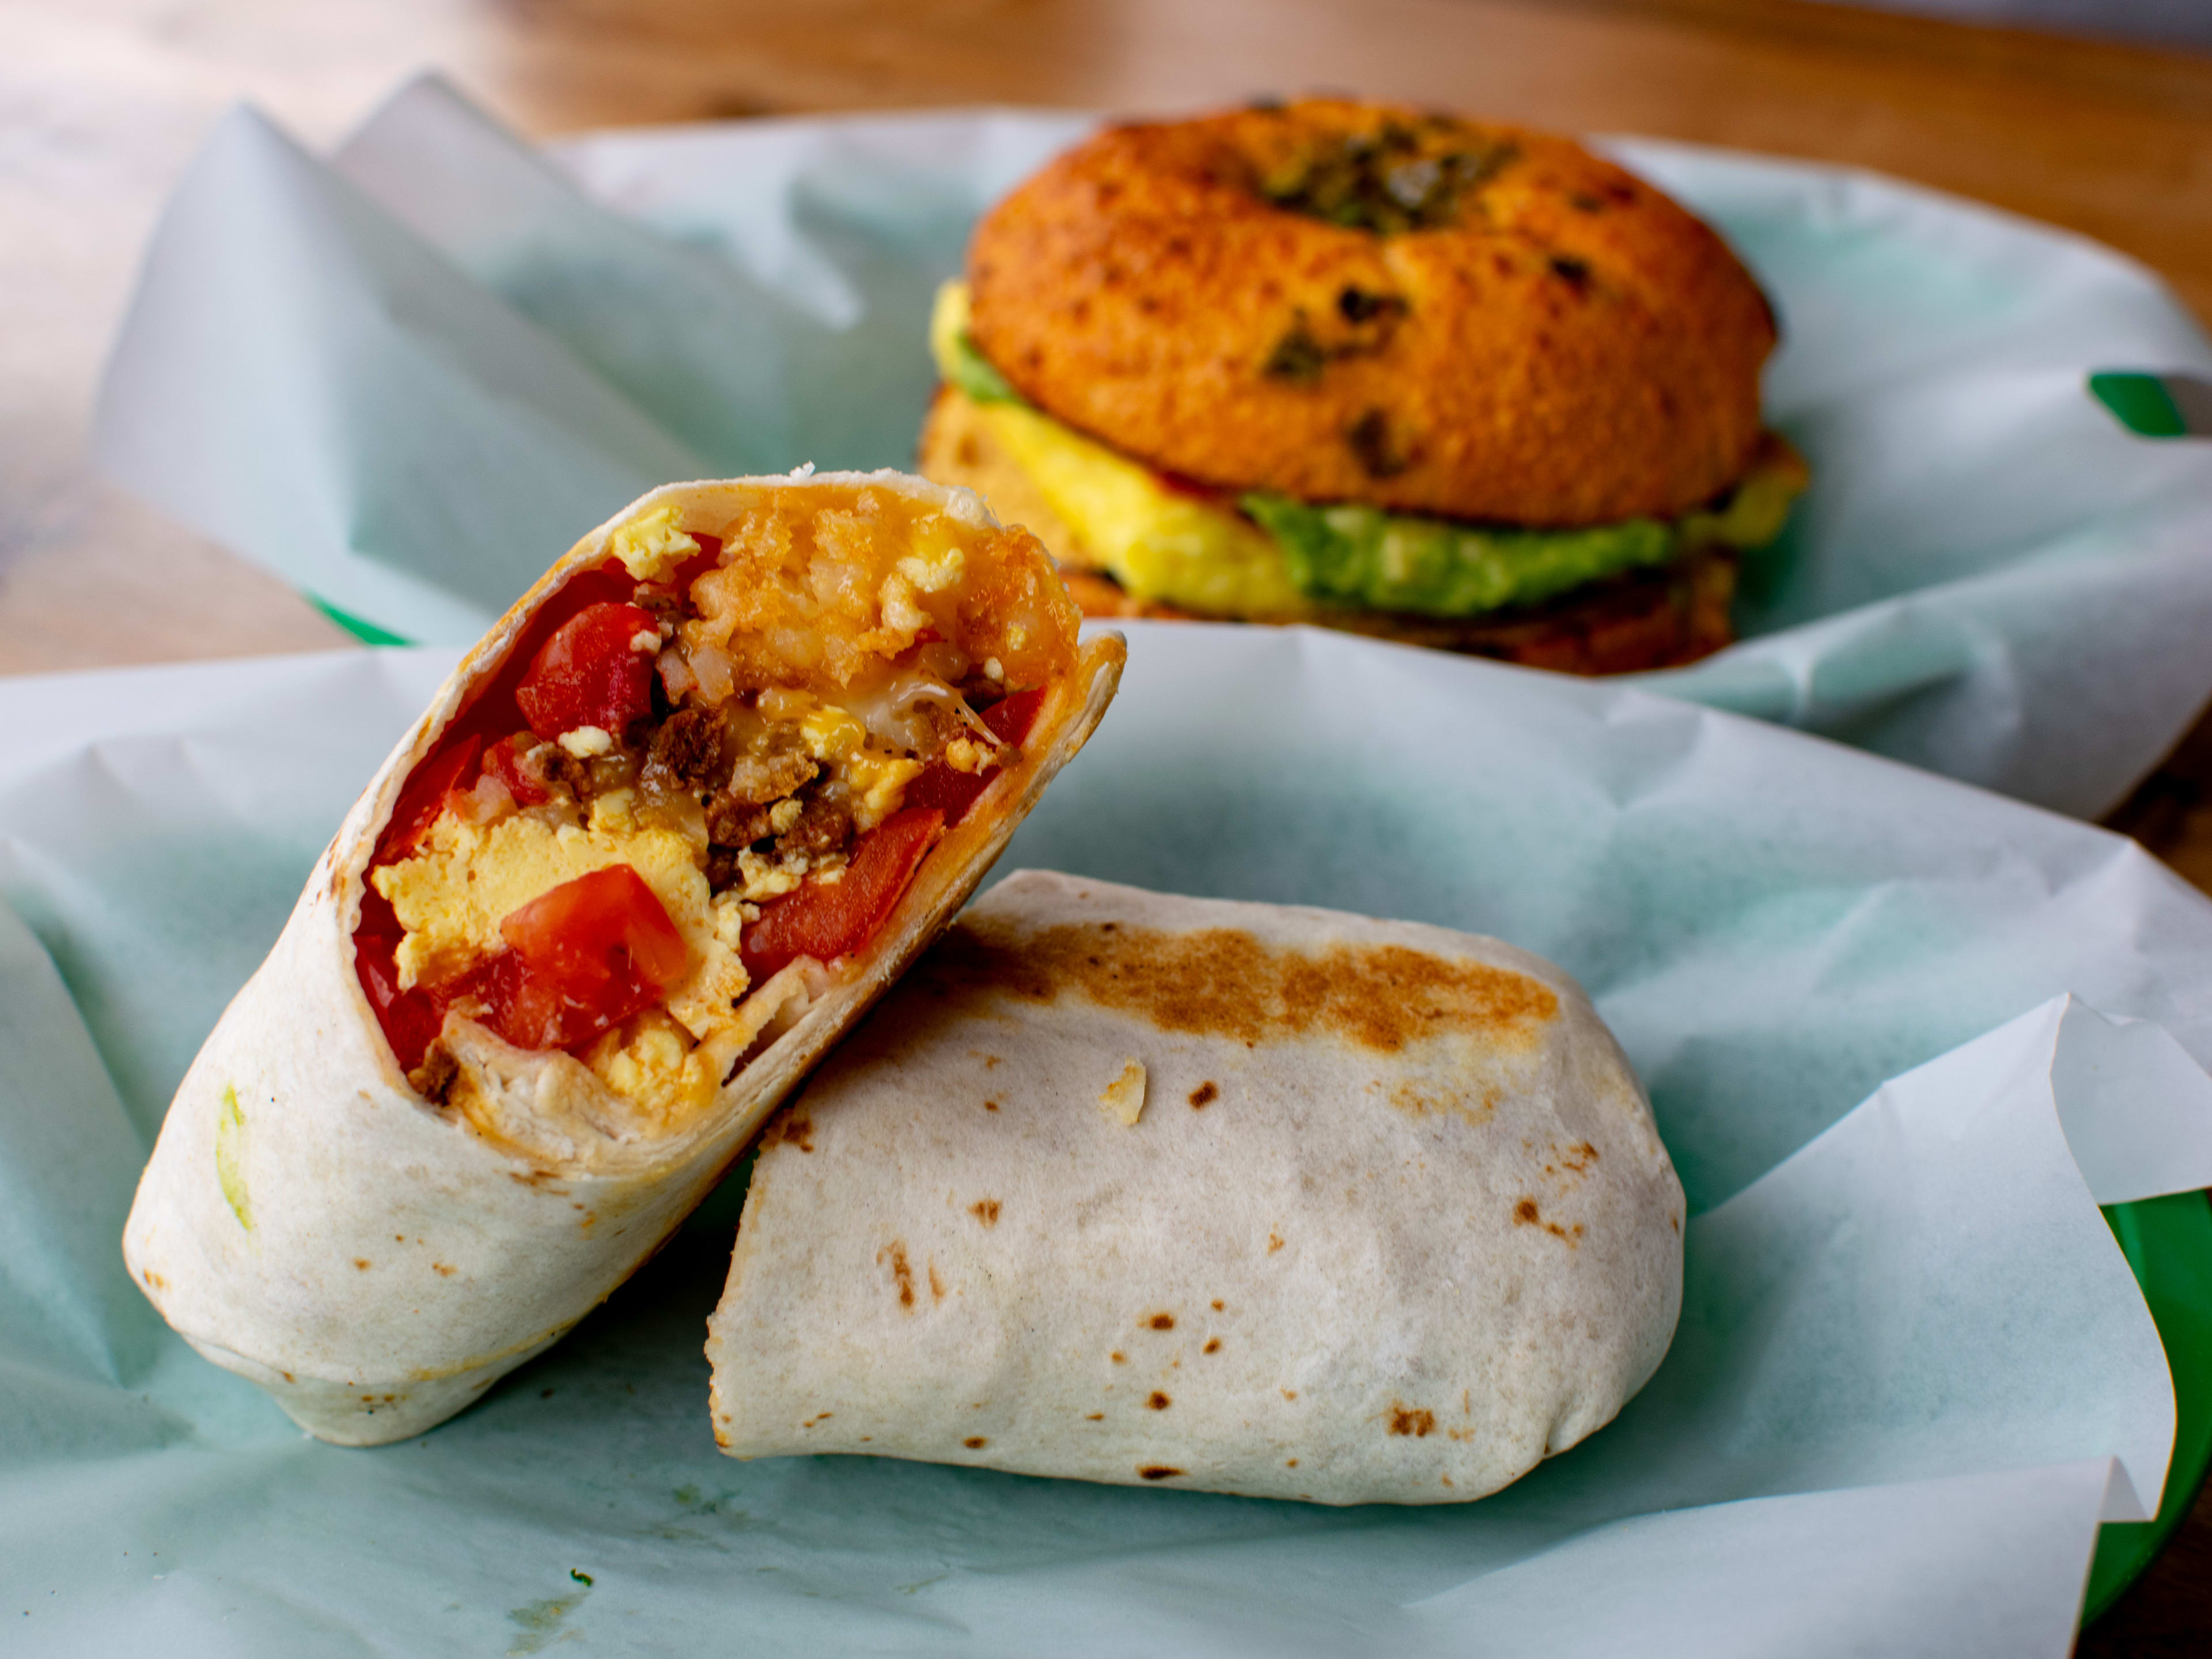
point(399, 376)
point(1913, 1372)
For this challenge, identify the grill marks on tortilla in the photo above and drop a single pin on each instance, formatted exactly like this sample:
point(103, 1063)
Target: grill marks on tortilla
point(1222, 982)
point(1526, 1214)
point(902, 1271)
point(1412, 1420)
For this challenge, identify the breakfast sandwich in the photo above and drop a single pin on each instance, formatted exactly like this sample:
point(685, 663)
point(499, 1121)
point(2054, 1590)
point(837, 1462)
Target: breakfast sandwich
point(1448, 382)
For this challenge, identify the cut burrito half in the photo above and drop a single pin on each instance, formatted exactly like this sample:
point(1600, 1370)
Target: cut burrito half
point(1187, 1194)
point(661, 839)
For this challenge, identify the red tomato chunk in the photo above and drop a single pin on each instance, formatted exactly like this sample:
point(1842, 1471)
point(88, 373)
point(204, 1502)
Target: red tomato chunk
point(827, 920)
point(503, 761)
point(953, 792)
point(425, 796)
point(591, 673)
point(582, 958)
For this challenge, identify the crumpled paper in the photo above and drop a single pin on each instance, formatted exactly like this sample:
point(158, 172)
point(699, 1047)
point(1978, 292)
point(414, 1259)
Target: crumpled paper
point(403, 377)
point(1913, 1370)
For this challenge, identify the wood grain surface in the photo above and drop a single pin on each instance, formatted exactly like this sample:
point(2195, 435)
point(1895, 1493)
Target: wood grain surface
point(102, 102)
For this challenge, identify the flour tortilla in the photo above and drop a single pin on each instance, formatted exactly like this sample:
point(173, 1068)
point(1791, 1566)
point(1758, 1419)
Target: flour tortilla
point(375, 1262)
point(1392, 1223)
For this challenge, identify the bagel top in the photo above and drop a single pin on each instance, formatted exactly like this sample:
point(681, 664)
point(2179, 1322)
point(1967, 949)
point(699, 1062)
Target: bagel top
point(1346, 301)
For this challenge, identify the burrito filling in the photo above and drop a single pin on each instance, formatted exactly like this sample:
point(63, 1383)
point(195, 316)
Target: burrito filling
point(698, 786)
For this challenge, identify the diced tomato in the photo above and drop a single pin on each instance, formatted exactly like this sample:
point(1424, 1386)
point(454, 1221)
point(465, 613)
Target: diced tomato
point(581, 959)
point(443, 775)
point(409, 1018)
point(952, 793)
point(1011, 717)
point(827, 920)
point(590, 673)
point(503, 761)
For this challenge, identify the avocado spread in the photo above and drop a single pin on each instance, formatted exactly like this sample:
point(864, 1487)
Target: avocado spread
point(1280, 558)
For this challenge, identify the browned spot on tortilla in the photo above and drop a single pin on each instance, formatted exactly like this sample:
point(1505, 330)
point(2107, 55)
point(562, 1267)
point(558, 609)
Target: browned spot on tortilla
point(1212, 1346)
point(1290, 1462)
point(1410, 1420)
point(1416, 1102)
point(990, 1062)
point(1096, 1417)
point(1161, 1321)
point(975, 1443)
point(936, 1284)
point(1119, 1358)
point(1275, 1242)
point(361, 1262)
point(1578, 1157)
point(156, 1280)
point(1158, 1401)
point(537, 1178)
point(1447, 1479)
point(901, 1274)
point(796, 1127)
point(985, 1210)
point(441, 1270)
point(1222, 982)
point(1204, 1096)
point(1158, 1472)
point(1525, 1214)
point(400, 1238)
point(1675, 1222)
point(990, 1105)
point(1290, 1394)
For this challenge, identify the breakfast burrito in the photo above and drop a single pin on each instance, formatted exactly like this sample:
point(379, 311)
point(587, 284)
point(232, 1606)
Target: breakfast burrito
point(1164, 1191)
point(661, 839)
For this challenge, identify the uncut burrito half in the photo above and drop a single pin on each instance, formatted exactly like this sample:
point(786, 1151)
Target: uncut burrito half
point(658, 843)
point(1145, 1190)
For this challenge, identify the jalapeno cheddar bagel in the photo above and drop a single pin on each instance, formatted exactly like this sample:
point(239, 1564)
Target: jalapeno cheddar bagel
point(1446, 381)
point(663, 836)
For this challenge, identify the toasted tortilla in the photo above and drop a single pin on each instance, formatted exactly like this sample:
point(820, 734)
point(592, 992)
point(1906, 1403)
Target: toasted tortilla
point(1174, 1192)
point(375, 1261)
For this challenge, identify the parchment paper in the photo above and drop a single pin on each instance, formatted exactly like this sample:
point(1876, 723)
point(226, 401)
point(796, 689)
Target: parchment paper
point(1913, 1370)
point(398, 376)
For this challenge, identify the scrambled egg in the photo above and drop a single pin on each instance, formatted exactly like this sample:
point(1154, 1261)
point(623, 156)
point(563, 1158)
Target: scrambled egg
point(653, 545)
point(877, 780)
point(452, 894)
point(658, 1067)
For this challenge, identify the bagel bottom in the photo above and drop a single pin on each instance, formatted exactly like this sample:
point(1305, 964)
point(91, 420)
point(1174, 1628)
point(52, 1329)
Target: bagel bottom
point(1643, 619)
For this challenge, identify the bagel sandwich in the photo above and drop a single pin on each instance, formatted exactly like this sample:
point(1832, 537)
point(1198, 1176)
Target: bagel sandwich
point(1454, 383)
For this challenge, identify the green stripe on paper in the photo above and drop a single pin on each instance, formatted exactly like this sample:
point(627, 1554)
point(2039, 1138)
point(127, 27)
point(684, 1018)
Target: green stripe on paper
point(2140, 403)
point(368, 632)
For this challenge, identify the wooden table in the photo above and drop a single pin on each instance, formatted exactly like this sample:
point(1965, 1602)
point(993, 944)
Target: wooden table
point(102, 101)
